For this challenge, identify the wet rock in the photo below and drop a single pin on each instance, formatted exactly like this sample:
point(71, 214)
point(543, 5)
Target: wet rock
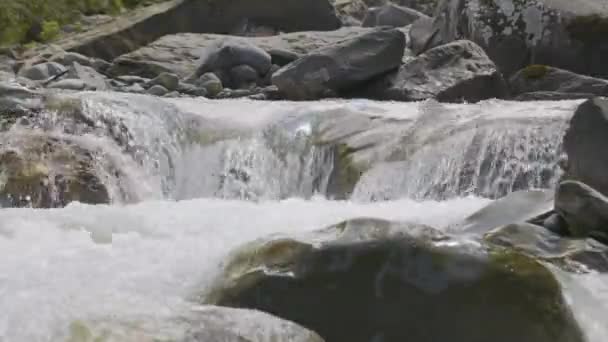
point(243, 76)
point(267, 80)
point(133, 79)
point(537, 78)
point(190, 89)
point(421, 34)
point(575, 255)
point(365, 280)
point(101, 66)
point(179, 53)
point(329, 71)
point(157, 90)
point(516, 207)
point(91, 78)
point(15, 99)
point(584, 144)
point(584, 209)
point(455, 72)
point(211, 83)
point(45, 172)
point(233, 52)
point(68, 84)
point(567, 34)
point(391, 15)
point(42, 71)
point(134, 88)
point(167, 80)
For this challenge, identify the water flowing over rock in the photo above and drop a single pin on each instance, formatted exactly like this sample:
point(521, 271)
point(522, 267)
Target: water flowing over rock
point(568, 34)
point(335, 279)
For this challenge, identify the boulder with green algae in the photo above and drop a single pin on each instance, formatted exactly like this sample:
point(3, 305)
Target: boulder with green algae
point(372, 280)
point(45, 172)
point(535, 78)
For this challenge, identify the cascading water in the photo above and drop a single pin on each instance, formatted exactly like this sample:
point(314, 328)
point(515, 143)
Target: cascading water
point(196, 178)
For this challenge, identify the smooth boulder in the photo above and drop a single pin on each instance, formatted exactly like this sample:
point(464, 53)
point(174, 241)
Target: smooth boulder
point(454, 72)
point(340, 68)
point(42, 71)
point(233, 52)
point(372, 280)
point(567, 34)
point(585, 143)
point(391, 15)
point(91, 78)
point(584, 209)
point(167, 80)
point(542, 78)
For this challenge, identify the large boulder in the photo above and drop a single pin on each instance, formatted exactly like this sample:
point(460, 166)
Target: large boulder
point(585, 142)
point(370, 280)
point(180, 54)
point(568, 34)
point(584, 209)
point(454, 72)
point(342, 67)
point(47, 172)
point(143, 26)
point(542, 78)
point(391, 15)
point(42, 71)
point(89, 76)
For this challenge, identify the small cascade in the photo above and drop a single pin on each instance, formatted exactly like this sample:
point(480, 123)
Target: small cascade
point(489, 160)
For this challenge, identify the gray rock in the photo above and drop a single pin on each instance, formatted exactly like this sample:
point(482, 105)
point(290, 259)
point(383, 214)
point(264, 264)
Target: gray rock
point(267, 80)
point(178, 53)
point(110, 39)
point(535, 78)
point(92, 79)
point(211, 83)
point(584, 209)
point(232, 52)
point(167, 80)
point(421, 35)
point(42, 71)
point(135, 88)
point(397, 273)
point(391, 15)
point(67, 58)
point(190, 89)
point(349, 64)
point(68, 84)
point(577, 255)
point(172, 94)
point(568, 34)
point(157, 90)
point(243, 76)
point(585, 143)
point(100, 65)
point(455, 72)
point(132, 79)
point(517, 207)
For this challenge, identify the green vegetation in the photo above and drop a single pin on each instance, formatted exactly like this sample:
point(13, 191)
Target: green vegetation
point(25, 21)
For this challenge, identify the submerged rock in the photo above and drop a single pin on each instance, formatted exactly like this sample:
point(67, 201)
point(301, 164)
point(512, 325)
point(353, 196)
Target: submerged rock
point(584, 209)
point(568, 34)
point(366, 279)
point(585, 143)
point(536, 78)
point(455, 72)
point(342, 67)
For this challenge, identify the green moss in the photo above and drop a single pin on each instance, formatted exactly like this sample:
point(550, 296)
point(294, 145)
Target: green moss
point(590, 28)
point(50, 30)
point(535, 71)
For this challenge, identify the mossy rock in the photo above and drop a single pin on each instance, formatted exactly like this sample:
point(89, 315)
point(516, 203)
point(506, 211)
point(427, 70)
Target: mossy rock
point(45, 172)
point(535, 71)
point(346, 173)
point(367, 279)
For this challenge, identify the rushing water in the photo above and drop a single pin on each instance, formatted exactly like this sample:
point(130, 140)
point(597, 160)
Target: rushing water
point(206, 176)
